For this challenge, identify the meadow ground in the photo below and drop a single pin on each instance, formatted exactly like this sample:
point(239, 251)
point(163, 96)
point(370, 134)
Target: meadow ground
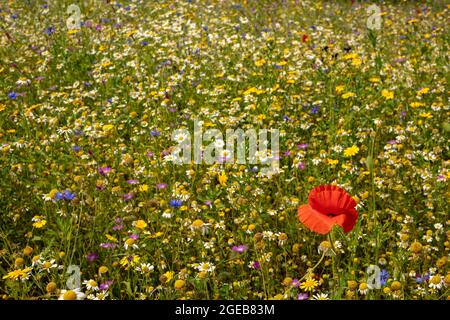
point(93, 206)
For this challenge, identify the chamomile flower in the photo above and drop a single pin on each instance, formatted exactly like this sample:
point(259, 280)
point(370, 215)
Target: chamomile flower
point(91, 285)
point(73, 294)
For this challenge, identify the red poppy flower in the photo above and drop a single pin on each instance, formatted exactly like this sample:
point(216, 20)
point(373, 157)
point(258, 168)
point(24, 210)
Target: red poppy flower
point(328, 205)
point(305, 38)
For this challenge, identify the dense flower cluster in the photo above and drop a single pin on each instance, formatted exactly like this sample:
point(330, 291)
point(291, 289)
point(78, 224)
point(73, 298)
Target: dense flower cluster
point(87, 115)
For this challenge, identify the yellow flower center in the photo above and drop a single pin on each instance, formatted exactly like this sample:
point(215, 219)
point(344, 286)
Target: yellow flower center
point(179, 284)
point(19, 262)
point(197, 223)
point(435, 279)
point(51, 287)
point(70, 295)
point(205, 267)
point(47, 264)
point(103, 269)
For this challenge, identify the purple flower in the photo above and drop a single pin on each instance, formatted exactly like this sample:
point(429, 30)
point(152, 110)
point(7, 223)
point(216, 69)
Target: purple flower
point(108, 245)
point(127, 196)
point(134, 236)
point(208, 202)
point(49, 31)
point(315, 109)
point(155, 133)
point(13, 95)
point(117, 227)
point(256, 265)
point(301, 166)
point(76, 148)
point(149, 154)
point(104, 170)
point(392, 141)
point(302, 146)
point(105, 285)
point(240, 249)
point(175, 203)
point(161, 186)
point(132, 181)
point(91, 257)
point(303, 296)
point(295, 283)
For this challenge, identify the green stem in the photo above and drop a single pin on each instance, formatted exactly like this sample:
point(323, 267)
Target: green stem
point(310, 270)
point(334, 259)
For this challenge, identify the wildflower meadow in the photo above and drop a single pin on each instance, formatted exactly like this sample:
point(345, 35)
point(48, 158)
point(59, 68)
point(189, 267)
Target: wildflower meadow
point(224, 149)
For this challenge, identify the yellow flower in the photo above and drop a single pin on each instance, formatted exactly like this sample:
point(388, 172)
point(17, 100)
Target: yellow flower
point(416, 104)
point(350, 56)
point(416, 247)
point(348, 95)
point(128, 261)
point(332, 162)
point(340, 88)
point(309, 285)
point(140, 224)
point(39, 222)
point(387, 94)
point(356, 62)
point(375, 79)
point(179, 284)
point(396, 285)
point(260, 63)
point(21, 274)
point(423, 91)
point(168, 275)
point(111, 238)
point(107, 127)
point(51, 287)
point(223, 179)
point(426, 115)
point(143, 188)
point(103, 269)
point(351, 151)
point(2, 107)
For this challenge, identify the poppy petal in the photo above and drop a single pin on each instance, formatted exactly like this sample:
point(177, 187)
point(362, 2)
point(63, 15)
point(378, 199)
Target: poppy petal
point(322, 224)
point(314, 220)
point(330, 199)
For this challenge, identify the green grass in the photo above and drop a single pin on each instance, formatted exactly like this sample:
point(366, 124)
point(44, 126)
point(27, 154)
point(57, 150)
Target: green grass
point(161, 64)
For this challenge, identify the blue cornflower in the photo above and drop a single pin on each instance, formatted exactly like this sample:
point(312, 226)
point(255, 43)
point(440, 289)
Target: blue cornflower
point(174, 203)
point(315, 109)
point(155, 133)
point(65, 195)
point(68, 195)
point(384, 276)
point(49, 31)
point(59, 196)
point(13, 95)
